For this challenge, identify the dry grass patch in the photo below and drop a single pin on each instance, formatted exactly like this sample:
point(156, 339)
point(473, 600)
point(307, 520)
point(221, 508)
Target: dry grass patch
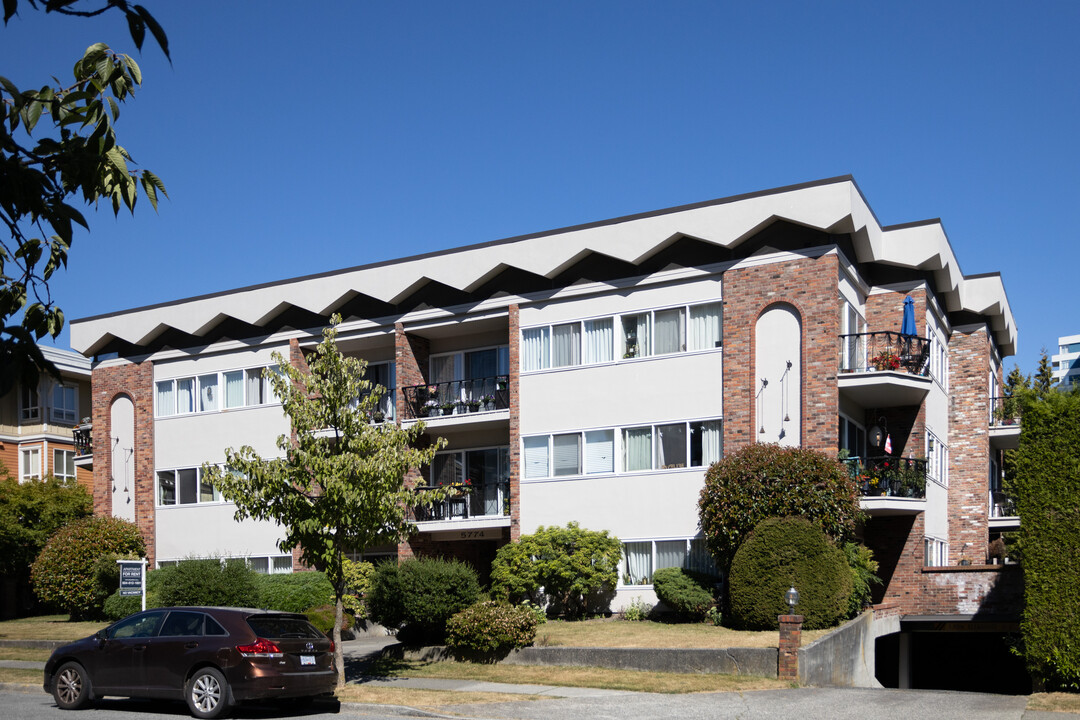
point(592, 677)
point(1054, 702)
point(47, 627)
point(15, 676)
point(29, 654)
point(648, 634)
point(423, 699)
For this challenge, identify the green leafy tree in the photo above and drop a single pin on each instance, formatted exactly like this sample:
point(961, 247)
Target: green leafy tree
point(338, 485)
point(574, 570)
point(1043, 381)
point(765, 480)
point(77, 158)
point(1045, 485)
point(30, 513)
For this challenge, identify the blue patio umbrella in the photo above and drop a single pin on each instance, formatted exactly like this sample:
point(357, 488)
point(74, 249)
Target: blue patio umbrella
point(907, 327)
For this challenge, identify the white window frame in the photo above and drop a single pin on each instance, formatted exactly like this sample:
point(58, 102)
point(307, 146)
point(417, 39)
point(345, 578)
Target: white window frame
point(29, 403)
point(935, 552)
point(217, 497)
point(201, 381)
point(937, 459)
point(27, 471)
point(67, 458)
point(654, 558)
point(619, 351)
point(64, 411)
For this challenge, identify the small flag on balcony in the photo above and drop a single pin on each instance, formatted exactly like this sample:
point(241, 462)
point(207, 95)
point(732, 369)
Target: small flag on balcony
point(888, 444)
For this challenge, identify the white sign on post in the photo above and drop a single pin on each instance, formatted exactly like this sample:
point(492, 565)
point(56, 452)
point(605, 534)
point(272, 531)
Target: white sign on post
point(133, 578)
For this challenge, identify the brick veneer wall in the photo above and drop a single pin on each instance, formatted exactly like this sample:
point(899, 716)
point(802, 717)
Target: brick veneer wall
point(969, 445)
point(515, 424)
point(810, 286)
point(298, 361)
point(136, 381)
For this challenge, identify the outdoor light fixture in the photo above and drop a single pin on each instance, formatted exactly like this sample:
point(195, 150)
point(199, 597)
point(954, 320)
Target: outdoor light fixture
point(792, 598)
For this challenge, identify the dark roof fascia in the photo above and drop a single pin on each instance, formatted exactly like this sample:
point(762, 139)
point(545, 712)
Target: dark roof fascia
point(491, 243)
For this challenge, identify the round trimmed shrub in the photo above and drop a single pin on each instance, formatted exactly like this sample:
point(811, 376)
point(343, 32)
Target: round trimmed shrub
point(293, 592)
point(764, 480)
point(782, 553)
point(63, 574)
point(688, 593)
point(322, 617)
point(420, 595)
point(491, 627)
point(208, 581)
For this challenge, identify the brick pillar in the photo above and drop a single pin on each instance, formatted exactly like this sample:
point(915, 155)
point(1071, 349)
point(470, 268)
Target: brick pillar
point(790, 639)
point(410, 363)
point(515, 425)
point(969, 444)
point(136, 381)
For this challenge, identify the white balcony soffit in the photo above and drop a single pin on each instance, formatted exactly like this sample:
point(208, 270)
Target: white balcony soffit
point(835, 205)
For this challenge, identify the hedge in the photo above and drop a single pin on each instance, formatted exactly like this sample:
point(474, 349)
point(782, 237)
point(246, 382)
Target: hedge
point(689, 594)
point(420, 595)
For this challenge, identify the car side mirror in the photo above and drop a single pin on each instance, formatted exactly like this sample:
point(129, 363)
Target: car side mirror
point(101, 636)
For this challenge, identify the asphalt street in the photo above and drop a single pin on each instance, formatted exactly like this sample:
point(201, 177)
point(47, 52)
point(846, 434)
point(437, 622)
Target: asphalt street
point(803, 704)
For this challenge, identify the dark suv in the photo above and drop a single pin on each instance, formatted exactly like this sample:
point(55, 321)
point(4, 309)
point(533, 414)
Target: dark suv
point(208, 656)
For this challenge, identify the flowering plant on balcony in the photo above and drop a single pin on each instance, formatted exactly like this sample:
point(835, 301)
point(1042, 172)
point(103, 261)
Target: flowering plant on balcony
point(886, 360)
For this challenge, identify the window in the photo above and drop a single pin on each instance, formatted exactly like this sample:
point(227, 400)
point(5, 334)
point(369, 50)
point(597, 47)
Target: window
point(566, 345)
point(599, 341)
point(637, 449)
point(484, 472)
point(203, 393)
point(208, 393)
point(852, 326)
point(234, 389)
point(852, 437)
point(697, 443)
point(706, 324)
point(535, 348)
point(254, 387)
point(65, 404)
point(185, 486)
point(29, 403)
point(937, 460)
point(670, 326)
point(64, 464)
point(30, 464)
point(634, 339)
point(641, 558)
point(936, 552)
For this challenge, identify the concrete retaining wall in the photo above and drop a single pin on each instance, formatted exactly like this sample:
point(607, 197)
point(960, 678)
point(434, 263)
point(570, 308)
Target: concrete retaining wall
point(845, 657)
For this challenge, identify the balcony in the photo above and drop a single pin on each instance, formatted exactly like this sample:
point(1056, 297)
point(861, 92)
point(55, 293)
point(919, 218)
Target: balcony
point(890, 485)
point(1005, 415)
point(84, 446)
point(477, 507)
point(884, 369)
point(457, 397)
point(1002, 514)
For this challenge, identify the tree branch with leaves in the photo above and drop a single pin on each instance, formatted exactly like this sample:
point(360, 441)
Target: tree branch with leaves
point(338, 485)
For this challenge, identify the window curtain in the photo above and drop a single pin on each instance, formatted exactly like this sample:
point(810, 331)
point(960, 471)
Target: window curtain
point(699, 559)
point(185, 395)
point(671, 446)
point(637, 449)
point(208, 393)
point(566, 345)
point(600, 451)
point(670, 553)
point(536, 457)
point(599, 340)
point(669, 331)
point(255, 387)
point(166, 400)
point(705, 326)
point(566, 454)
point(637, 563)
point(535, 347)
point(712, 442)
point(234, 389)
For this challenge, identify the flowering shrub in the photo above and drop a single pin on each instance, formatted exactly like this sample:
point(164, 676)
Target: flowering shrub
point(63, 574)
point(885, 360)
point(491, 627)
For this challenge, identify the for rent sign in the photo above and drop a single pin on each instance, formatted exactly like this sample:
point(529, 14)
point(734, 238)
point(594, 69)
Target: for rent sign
point(133, 578)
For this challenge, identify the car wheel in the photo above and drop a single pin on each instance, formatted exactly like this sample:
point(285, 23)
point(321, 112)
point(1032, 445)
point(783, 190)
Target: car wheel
point(71, 686)
point(207, 693)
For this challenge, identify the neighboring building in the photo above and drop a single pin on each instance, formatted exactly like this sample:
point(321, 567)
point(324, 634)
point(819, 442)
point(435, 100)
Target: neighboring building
point(1066, 362)
point(614, 362)
point(39, 424)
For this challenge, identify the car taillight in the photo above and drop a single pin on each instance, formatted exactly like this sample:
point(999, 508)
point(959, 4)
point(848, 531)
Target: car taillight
point(260, 648)
point(331, 646)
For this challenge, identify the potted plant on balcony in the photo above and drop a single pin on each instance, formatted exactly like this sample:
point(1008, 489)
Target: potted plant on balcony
point(377, 416)
point(886, 360)
point(430, 408)
point(489, 402)
point(448, 407)
point(473, 404)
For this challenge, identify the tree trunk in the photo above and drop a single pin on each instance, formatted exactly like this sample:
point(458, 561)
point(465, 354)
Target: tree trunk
point(339, 656)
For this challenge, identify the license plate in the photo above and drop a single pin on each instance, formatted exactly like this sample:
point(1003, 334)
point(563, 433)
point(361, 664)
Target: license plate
point(307, 659)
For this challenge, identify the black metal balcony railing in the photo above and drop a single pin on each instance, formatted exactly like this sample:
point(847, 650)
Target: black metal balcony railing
point(486, 500)
point(84, 440)
point(869, 352)
point(1005, 411)
point(1001, 505)
point(457, 397)
point(888, 475)
point(384, 409)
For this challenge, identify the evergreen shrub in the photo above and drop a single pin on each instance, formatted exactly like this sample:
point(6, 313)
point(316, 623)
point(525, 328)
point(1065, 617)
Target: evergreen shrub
point(208, 581)
point(293, 592)
point(491, 627)
point(788, 552)
point(571, 570)
point(420, 595)
point(689, 594)
point(322, 617)
point(63, 574)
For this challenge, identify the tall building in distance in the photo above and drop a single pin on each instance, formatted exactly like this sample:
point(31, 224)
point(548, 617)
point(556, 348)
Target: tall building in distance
point(1065, 363)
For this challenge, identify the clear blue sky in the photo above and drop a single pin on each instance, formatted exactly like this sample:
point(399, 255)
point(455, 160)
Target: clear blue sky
point(296, 138)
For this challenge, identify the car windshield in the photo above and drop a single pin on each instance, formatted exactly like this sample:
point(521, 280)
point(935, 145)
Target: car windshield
point(276, 626)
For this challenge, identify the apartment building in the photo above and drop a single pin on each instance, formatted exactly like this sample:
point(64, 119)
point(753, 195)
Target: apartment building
point(39, 424)
point(592, 374)
point(1066, 361)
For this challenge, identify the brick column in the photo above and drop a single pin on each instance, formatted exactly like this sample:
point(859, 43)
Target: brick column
point(410, 363)
point(790, 639)
point(969, 444)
